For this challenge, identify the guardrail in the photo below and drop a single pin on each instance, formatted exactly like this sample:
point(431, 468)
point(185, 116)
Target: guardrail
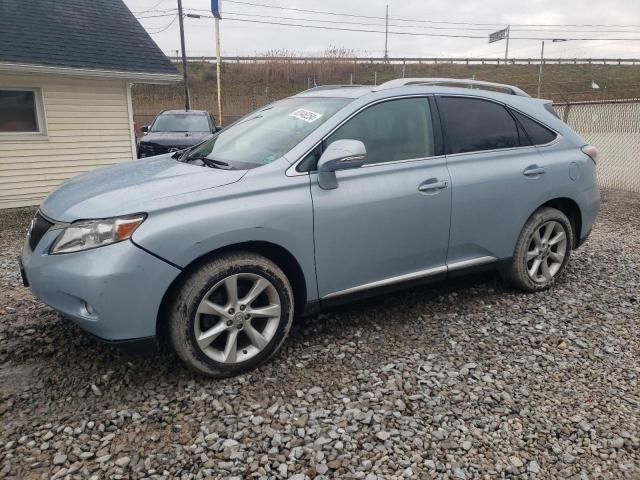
point(419, 60)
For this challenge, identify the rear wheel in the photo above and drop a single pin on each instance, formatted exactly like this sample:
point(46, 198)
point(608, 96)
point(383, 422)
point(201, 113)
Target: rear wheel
point(231, 314)
point(542, 251)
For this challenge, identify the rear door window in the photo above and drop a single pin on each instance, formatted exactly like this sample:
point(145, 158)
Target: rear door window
point(538, 134)
point(475, 125)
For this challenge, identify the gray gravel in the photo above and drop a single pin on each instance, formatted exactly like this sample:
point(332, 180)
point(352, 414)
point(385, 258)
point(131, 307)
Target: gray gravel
point(462, 380)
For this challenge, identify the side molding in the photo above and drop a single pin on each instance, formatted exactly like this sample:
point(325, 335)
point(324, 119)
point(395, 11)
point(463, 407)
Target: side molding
point(388, 281)
point(474, 262)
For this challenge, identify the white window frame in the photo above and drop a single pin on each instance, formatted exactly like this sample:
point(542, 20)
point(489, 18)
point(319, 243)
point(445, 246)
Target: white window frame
point(41, 118)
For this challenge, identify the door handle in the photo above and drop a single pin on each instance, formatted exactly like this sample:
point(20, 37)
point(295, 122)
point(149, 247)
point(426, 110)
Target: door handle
point(534, 171)
point(431, 186)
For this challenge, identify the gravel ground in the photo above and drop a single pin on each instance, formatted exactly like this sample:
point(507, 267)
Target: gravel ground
point(461, 380)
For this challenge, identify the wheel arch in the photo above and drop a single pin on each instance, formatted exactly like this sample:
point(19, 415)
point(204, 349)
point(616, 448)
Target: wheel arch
point(572, 210)
point(276, 253)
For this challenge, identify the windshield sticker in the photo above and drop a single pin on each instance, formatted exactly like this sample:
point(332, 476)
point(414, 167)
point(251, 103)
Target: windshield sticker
point(306, 115)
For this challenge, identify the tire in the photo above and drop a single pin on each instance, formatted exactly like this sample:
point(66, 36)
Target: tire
point(206, 308)
point(532, 251)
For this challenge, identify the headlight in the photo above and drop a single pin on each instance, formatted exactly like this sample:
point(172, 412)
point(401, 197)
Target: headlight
point(86, 234)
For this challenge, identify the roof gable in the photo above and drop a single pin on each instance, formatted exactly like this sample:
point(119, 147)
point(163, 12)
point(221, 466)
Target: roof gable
point(86, 34)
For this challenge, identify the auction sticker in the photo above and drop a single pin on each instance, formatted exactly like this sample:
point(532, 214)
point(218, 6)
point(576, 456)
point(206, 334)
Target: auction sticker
point(306, 115)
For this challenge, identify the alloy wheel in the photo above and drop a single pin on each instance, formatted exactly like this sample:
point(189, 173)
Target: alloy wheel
point(546, 251)
point(237, 318)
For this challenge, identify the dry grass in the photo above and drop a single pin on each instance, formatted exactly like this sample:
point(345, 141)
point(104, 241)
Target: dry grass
point(247, 86)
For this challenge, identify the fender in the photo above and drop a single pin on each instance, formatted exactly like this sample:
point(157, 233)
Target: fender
point(254, 210)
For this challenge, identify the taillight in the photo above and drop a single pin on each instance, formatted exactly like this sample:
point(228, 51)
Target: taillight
point(591, 151)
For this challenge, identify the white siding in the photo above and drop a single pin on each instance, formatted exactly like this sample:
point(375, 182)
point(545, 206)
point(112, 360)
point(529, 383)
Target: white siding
point(87, 125)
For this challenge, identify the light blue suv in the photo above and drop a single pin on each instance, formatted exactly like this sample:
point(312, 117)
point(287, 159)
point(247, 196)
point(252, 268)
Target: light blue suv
point(333, 194)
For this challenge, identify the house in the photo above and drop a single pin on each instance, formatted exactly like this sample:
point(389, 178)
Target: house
point(66, 69)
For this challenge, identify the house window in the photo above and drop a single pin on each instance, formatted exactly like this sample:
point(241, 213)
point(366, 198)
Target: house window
point(20, 111)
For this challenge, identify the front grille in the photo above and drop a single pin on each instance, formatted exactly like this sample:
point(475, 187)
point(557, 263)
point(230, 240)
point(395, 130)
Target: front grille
point(151, 149)
point(39, 226)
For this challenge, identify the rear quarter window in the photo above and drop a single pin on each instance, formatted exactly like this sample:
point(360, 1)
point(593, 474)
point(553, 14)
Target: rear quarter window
point(537, 133)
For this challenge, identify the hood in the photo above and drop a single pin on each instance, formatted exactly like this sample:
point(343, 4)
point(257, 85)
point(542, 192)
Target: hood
point(130, 187)
point(175, 139)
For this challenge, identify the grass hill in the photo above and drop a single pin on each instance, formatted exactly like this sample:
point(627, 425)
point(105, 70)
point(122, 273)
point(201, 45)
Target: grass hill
point(247, 86)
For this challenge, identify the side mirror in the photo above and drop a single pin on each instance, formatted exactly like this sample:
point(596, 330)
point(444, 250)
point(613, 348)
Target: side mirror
point(145, 129)
point(340, 155)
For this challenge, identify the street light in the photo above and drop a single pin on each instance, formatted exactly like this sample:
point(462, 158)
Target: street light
point(554, 40)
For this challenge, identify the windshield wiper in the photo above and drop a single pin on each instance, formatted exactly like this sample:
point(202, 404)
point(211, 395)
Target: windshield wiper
point(210, 162)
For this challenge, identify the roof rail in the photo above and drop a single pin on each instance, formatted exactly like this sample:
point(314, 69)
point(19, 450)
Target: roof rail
point(332, 87)
point(457, 82)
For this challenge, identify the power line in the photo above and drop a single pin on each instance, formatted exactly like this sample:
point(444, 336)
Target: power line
point(484, 29)
point(242, 2)
point(361, 30)
point(346, 22)
point(157, 16)
point(149, 9)
point(323, 27)
point(165, 27)
point(165, 13)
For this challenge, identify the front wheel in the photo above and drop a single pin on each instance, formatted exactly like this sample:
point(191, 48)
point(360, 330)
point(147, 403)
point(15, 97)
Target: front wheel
point(542, 251)
point(231, 314)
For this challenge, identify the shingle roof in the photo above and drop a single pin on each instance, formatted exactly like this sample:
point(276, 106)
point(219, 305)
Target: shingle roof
point(90, 34)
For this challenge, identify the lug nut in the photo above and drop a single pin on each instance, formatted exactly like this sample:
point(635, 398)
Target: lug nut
point(247, 316)
point(229, 323)
point(231, 311)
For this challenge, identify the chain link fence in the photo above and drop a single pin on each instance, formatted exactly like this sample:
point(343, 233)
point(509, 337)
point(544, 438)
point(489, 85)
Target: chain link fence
point(614, 128)
point(147, 106)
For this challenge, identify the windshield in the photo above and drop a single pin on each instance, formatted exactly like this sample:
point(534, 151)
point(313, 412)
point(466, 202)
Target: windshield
point(181, 122)
point(266, 134)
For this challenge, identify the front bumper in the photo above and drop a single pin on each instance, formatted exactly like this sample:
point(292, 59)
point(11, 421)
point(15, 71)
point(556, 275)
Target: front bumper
point(113, 292)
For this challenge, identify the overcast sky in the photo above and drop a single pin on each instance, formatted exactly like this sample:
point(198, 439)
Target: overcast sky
point(240, 38)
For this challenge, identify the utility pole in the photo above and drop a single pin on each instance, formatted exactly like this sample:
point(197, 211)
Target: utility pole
point(506, 51)
point(386, 36)
point(554, 40)
point(218, 66)
point(215, 10)
point(540, 72)
point(187, 103)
